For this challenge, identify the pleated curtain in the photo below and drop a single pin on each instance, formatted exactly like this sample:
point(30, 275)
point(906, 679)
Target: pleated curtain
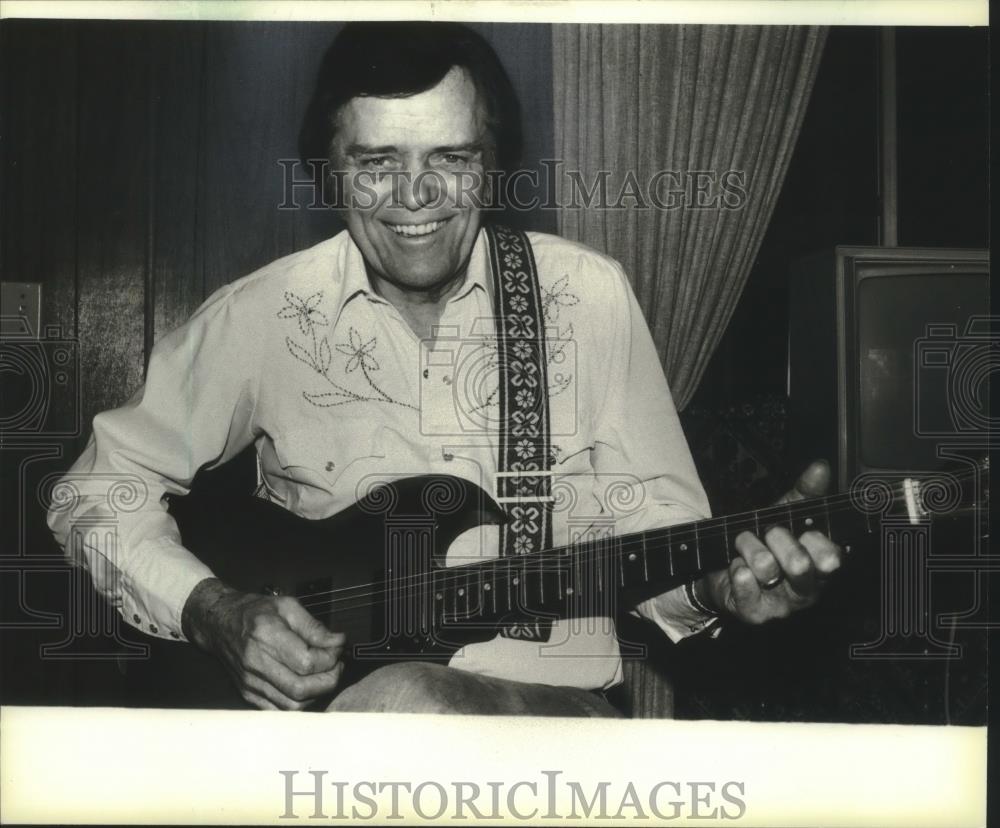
point(719, 100)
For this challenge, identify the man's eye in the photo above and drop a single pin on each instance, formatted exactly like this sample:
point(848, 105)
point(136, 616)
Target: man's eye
point(454, 159)
point(376, 162)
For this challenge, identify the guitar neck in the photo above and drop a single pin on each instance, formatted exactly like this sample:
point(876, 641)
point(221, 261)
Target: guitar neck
point(585, 578)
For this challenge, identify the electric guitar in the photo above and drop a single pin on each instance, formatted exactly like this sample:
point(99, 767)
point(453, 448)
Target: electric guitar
point(376, 570)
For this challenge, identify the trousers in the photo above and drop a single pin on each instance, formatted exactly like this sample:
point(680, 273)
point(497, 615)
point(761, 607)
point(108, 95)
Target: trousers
point(412, 687)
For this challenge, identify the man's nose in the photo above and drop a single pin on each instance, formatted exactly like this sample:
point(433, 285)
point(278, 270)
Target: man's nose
point(418, 188)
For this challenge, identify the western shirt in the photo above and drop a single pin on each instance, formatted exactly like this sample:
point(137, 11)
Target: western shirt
point(304, 360)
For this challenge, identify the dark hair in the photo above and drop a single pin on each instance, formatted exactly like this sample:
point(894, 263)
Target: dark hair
point(396, 60)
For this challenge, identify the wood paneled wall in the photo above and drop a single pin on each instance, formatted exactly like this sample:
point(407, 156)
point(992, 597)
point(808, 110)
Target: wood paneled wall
point(141, 169)
point(140, 173)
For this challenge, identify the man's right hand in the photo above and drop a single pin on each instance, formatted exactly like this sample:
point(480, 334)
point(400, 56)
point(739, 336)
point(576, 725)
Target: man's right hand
point(281, 657)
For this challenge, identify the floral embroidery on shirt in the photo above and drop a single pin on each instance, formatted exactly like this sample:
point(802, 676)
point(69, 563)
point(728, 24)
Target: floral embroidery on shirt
point(360, 353)
point(304, 311)
point(556, 297)
point(316, 353)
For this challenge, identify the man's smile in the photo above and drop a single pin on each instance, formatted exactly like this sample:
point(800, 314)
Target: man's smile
point(417, 230)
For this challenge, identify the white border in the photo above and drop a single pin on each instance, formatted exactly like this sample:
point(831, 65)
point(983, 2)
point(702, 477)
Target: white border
point(68, 765)
point(74, 765)
point(812, 12)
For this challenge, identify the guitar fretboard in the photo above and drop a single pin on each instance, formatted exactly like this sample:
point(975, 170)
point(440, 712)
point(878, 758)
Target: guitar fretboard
point(585, 578)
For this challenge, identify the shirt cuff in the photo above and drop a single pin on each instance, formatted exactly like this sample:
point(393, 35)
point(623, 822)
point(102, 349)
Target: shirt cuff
point(676, 614)
point(158, 583)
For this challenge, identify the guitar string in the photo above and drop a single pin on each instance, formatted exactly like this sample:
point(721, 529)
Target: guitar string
point(455, 575)
point(621, 545)
point(780, 510)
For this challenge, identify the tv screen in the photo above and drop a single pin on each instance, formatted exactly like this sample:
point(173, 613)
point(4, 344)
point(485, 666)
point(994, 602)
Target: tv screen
point(908, 401)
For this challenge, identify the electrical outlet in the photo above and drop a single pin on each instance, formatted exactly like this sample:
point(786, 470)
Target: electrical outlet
point(20, 309)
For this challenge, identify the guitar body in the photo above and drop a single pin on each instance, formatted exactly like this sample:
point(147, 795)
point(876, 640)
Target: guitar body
point(377, 573)
point(367, 572)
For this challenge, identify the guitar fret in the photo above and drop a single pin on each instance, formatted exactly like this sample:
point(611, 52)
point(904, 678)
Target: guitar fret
point(697, 549)
point(510, 603)
point(524, 585)
point(492, 591)
point(438, 599)
point(599, 564)
point(541, 581)
point(428, 608)
point(645, 562)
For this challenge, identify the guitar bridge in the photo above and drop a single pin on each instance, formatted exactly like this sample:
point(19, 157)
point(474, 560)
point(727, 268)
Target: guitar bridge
point(915, 510)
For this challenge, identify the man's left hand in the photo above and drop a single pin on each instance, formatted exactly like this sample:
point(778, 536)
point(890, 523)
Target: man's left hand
point(777, 573)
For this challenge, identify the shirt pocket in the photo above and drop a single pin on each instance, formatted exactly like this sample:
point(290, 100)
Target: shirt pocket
point(313, 476)
point(572, 479)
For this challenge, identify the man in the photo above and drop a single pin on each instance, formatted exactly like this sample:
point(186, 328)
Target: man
point(341, 362)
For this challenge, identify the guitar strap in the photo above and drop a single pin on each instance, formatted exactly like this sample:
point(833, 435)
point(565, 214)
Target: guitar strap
point(524, 446)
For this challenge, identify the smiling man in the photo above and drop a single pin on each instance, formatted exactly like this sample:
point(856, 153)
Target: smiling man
point(417, 238)
point(374, 355)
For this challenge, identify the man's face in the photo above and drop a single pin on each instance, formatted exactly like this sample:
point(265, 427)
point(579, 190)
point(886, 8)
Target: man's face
point(407, 162)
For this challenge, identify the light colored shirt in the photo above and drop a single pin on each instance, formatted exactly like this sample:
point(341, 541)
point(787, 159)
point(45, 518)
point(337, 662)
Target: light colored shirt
point(304, 360)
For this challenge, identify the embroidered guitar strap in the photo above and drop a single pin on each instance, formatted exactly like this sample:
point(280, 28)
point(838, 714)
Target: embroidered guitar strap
point(524, 461)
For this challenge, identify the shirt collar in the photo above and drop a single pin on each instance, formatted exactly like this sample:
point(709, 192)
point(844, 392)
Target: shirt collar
point(356, 280)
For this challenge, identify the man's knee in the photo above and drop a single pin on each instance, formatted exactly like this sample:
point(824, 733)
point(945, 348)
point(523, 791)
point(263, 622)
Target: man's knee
point(409, 687)
point(414, 687)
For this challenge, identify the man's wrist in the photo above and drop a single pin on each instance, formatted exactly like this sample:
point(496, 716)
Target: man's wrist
point(700, 594)
point(202, 608)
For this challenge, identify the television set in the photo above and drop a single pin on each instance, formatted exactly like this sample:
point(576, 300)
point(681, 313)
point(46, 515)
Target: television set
point(890, 352)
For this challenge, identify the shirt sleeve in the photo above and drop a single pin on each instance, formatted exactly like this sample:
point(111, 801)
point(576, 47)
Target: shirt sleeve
point(195, 409)
point(639, 438)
